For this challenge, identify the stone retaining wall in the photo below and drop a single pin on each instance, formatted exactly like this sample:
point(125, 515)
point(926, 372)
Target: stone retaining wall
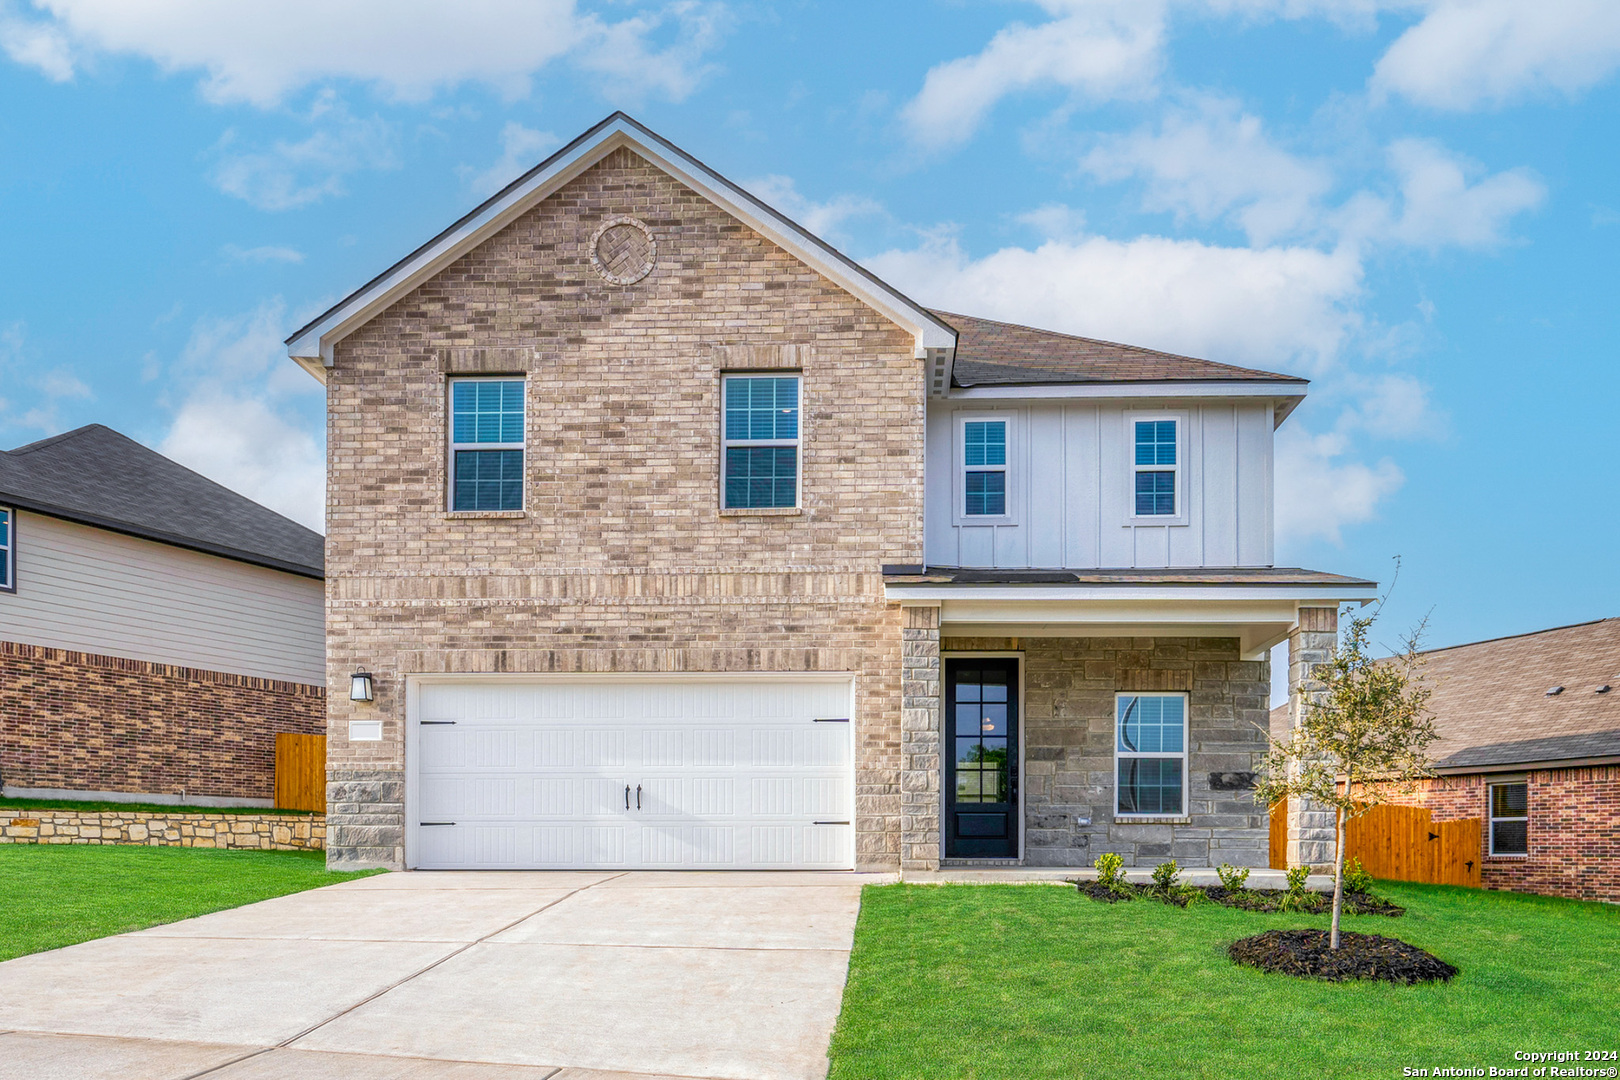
point(151, 828)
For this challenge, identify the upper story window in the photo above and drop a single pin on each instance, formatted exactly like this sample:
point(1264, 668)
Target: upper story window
point(1150, 754)
point(486, 444)
point(761, 442)
point(8, 546)
point(1157, 468)
point(984, 457)
point(1510, 819)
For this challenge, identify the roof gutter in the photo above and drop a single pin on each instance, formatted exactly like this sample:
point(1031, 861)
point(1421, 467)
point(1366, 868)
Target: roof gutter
point(1526, 766)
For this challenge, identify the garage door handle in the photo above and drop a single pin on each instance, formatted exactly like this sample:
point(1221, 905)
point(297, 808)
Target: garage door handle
point(627, 796)
point(638, 796)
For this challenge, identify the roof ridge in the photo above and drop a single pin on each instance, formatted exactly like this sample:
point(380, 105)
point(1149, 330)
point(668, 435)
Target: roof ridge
point(1511, 637)
point(40, 444)
point(947, 315)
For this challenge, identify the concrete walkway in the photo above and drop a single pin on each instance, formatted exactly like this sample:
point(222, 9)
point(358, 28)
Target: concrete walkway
point(464, 976)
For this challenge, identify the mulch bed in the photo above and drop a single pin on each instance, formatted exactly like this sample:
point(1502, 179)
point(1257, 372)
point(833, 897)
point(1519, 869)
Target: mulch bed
point(1305, 954)
point(1264, 900)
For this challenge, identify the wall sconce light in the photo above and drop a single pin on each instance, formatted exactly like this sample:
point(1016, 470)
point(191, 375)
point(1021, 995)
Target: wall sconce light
point(360, 686)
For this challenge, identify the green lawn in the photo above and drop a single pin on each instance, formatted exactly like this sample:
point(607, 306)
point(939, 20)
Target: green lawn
point(1006, 981)
point(126, 807)
point(54, 895)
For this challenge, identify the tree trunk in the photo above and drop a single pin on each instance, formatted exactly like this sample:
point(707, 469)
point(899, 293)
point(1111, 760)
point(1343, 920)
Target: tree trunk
point(1338, 876)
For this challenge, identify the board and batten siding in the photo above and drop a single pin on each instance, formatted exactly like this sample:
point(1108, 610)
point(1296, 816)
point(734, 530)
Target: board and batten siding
point(1071, 488)
point(96, 591)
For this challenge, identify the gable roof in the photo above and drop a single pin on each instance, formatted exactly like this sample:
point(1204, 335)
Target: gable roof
point(990, 353)
point(1493, 711)
point(95, 476)
point(312, 345)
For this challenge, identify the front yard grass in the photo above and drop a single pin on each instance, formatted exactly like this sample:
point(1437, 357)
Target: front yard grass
point(1028, 981)
point(53, 895)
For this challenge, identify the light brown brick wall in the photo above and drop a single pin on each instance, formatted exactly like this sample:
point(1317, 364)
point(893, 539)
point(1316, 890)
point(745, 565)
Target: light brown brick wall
point(85, 722)
point(622, 561)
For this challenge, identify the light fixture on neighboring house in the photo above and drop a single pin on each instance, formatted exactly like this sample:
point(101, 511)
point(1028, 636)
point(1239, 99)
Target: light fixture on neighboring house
point(360, 686)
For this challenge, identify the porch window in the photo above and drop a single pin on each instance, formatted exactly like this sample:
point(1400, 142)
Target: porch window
point(8, 581)
point(761, 442)
point(1150, 755)
point(486, 444)
point(1510, 819)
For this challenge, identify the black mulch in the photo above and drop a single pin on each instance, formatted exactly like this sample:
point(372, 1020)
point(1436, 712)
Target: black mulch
point(1265, 900)
point(1305, 954)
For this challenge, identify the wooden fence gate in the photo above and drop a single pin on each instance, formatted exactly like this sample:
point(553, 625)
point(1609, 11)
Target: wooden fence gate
point(1405, 843)
point(301, 772)
point(1279, 835)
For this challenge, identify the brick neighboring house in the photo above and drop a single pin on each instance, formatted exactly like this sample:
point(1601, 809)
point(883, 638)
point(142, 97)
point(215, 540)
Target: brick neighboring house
point(156, 629)
point(670, 537)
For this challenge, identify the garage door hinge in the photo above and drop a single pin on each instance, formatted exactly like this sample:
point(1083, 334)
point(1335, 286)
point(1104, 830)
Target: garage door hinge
point(829, 823)
point(435, 823)
point(426, 723)
point(821, 720)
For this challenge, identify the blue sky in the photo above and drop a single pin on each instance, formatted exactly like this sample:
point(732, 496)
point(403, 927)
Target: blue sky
point(1416, 204)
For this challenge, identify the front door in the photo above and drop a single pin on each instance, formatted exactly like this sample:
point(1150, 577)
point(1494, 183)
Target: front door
point(981, 758)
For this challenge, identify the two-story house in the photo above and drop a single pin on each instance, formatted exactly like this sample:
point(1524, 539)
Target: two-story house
point(660, 534)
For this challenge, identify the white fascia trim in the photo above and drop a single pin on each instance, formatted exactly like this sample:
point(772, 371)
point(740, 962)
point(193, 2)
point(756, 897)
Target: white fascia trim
point(319, 340)
point(1309, 595)
point(1285, 395)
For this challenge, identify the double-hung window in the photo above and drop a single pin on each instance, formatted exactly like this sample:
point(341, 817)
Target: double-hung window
point(486, 444)
point(760, 433)
point(1156, 464)
point(1150, 754)
point(8, 550)
point(1510, 819)
point(984, 464)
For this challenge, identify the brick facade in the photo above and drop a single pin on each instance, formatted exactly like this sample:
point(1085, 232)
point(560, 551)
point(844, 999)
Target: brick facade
point(83, 722)
point(622, 559)
point(1574, 829)
point(1068, 735)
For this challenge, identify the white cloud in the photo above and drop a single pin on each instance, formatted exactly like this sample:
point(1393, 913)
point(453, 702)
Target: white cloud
point(37, 45)
point(821, 218)
point(1273, 307)
point(1099, 49)
point(245, 420)
point(1320, 491)
point(287, 175)
point(1469, 53)
point(1439, 207)
point(264, 254)
point(521, 149)
point(261, 52)
point(1213, 161)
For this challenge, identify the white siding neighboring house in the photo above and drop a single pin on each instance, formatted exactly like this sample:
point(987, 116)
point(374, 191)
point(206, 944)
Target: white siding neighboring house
point(156, 629)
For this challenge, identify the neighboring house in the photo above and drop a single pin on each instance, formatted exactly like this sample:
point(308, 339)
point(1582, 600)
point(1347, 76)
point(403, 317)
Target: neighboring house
point(1530, 745)
point(156, 629)
point(670, 537)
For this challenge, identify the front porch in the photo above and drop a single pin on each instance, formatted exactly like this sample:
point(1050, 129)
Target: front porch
point(1136, 714)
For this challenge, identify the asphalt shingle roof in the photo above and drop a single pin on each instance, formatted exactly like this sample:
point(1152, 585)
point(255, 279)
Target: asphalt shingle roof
point(990, 353)
point(1491, 703)
point(95, 476)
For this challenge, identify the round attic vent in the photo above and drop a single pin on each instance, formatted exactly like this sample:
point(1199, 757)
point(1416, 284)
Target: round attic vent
point(623, 250)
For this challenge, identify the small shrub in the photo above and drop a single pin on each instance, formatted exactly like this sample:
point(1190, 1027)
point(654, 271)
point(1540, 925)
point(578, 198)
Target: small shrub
point(1110, 870)
point(1296, 880)
point(1165, 874)
point(1357, 882)
point(1232, 877)
point(1186, 895)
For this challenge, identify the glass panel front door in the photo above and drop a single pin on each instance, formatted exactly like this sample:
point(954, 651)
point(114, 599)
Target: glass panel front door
point(981, 758)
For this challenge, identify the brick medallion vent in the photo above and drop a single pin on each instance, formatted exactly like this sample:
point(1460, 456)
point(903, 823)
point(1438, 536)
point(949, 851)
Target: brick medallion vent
point(623, 250)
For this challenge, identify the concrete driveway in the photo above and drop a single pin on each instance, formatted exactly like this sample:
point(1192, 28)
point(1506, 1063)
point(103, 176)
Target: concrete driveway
point(469, 976)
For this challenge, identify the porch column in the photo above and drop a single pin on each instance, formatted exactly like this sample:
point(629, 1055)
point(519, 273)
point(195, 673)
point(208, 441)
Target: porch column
point(919, 739)
point(1311, 642)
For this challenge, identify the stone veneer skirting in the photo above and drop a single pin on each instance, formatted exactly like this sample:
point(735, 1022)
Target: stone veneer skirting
point(86, 722)
point(253, 832)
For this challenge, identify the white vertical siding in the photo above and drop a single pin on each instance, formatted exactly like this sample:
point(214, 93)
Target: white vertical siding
point(1072, 494)
point(96, 591)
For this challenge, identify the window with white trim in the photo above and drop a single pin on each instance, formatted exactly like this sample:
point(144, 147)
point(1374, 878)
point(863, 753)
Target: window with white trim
point(1156, 466)
point(1510, 819)
point(8, 547)
point(486, 444)
point(1150, 755)
point(760, 436)
point(984, 468)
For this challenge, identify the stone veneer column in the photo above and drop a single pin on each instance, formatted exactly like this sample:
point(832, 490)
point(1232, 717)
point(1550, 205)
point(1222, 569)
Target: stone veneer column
point(1311, 642)
point(919, 740)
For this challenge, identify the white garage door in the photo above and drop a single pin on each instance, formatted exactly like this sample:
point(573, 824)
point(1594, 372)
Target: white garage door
point(566, 772)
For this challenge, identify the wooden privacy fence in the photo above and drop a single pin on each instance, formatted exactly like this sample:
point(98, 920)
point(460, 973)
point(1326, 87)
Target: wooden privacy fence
point(1405, 843)
point(301, 772)
point(1279, 835)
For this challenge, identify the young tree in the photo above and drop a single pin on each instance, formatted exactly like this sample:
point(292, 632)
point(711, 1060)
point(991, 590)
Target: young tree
point(1362, 738)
